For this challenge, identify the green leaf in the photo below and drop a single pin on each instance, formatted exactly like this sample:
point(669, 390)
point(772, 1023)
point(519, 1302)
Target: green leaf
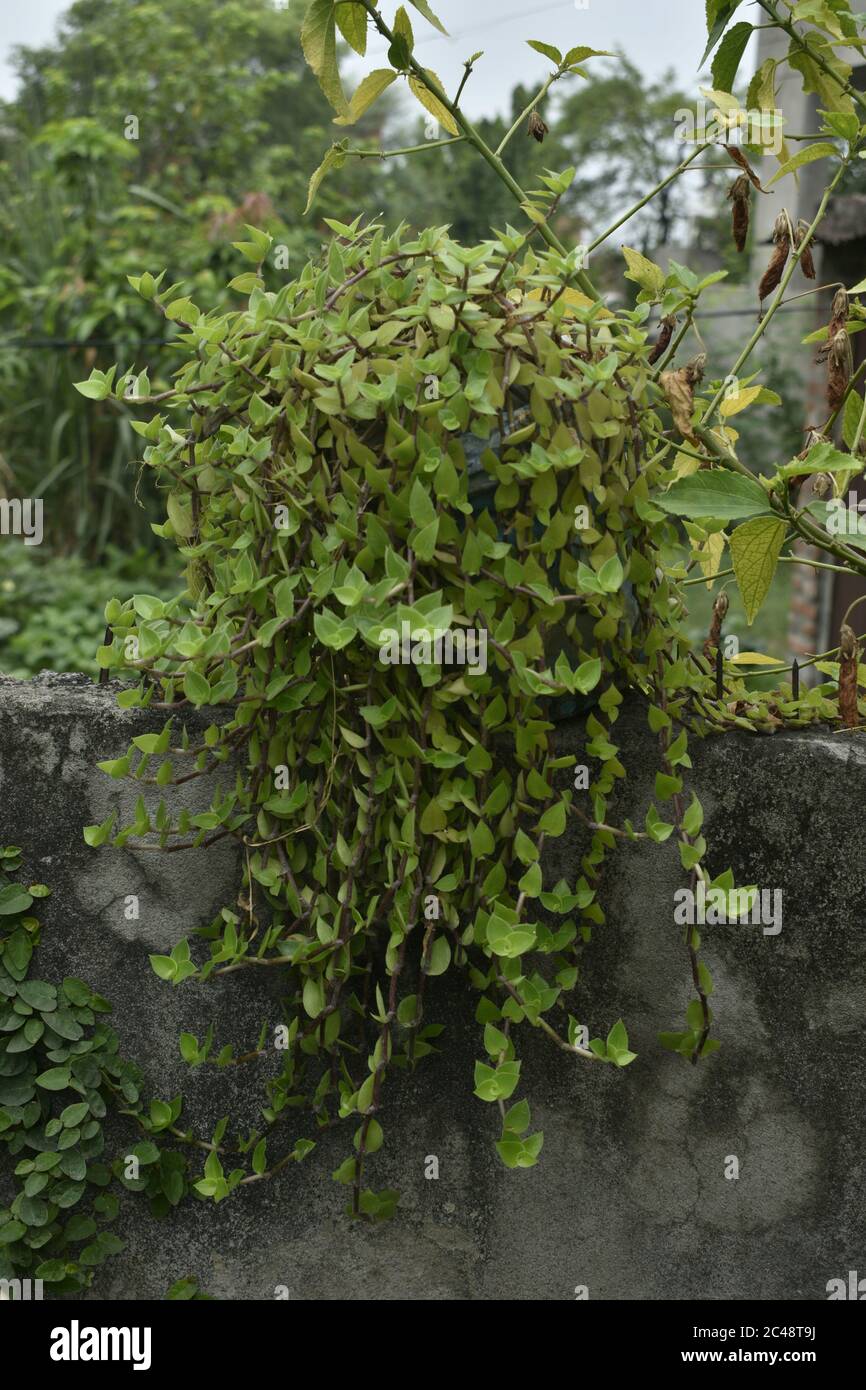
point(440, 956)
point(611, 575)
point(727, 59)
point(851, 419)
point(432, 102)
point(164, 967)
point(313, 996)
point(423, 8)
point(352, 23)
point(719, 14)
point(714, 493)
point(96, 388)
point(644, 272)
point(553, 820)
point(581, 53)
point(823, 150)
point(13, 900)
point(372, 87)
point(666, 786)
point(334, 159)
point(319, 42)
point(755, 549)
point(587, 675)
point(547, 49)
point(55, 1079)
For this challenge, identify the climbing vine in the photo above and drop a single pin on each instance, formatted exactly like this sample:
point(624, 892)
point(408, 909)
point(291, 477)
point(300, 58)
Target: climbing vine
point(60, 1072)
point(429, 498)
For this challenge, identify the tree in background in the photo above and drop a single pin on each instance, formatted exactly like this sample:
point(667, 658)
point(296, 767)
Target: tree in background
point(621, 132)
point(146, 135)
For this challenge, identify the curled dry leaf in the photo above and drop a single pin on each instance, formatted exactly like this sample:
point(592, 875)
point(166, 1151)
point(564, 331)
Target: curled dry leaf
point(840, 364)
point(849, 652)
point(807, 263)
point(714, 636)
point(662, 342)
point(781, 250)
point(537, 127)
point(740, 194)
point(821, 484)
point(739, 158)
point(679, 388)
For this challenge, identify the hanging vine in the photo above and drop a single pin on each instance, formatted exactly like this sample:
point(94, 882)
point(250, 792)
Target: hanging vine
point(426, 493)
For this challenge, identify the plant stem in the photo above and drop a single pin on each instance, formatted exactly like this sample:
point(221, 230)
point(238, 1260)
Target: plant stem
point(643, 202)
point(524, 115)
point(488, 155)
point(812, 53)
point(408, 149)
point(780, 294)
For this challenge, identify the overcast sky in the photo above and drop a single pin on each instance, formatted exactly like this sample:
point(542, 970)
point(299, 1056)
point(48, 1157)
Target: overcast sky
point(654, 33)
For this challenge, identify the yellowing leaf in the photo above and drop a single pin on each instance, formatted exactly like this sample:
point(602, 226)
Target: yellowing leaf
point(644, 272)
point(432, 103)
point(738, 400)
point(319, 42)
point(424, 9)
point(684, 466)
point(823, 150)
point(352, 21)
point(334, 159)
point(710, 555)
point(574, 299)
point(755, 659)
point(370, 90)
point(726, 103)
point(755, 548)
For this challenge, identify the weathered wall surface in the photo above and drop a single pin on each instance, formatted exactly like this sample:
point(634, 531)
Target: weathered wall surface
point(630, 1196)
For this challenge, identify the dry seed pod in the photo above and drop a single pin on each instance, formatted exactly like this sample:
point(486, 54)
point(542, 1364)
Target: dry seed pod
point(807, 264)
point(782, 247)
point(739, 158)
point(849, 652)
point(662, 342)
point(840, 364)
point(839, 317)
point(821, 484)
point(714, 637)
point(537, 127)
point(679, 387)
point(740, 194)
point(813, 437)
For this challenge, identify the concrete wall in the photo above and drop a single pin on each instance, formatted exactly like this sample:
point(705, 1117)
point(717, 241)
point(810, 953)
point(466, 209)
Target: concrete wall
point(630, 1197)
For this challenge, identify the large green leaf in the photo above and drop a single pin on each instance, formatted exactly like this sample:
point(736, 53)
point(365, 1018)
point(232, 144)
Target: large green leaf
point(352, 21)
point(755, 548)
point(715, 493)
point(822, 150)
point(423, 8)
point(719, 14)
point(372, 87)
point(319, 42)
point(727, 59)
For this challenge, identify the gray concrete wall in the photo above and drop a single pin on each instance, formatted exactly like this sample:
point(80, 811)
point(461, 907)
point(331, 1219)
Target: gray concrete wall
point(630, 1197)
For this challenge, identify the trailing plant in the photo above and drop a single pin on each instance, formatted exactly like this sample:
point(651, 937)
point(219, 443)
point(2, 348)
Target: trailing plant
point(419, 436)
point(60, 1070)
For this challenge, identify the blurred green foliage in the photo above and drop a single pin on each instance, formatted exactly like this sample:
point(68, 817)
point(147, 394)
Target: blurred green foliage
point(143, 139)
point(51, 607)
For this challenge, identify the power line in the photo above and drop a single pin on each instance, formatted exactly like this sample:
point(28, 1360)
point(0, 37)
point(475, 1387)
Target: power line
point(473, 28)
point(64, 344)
